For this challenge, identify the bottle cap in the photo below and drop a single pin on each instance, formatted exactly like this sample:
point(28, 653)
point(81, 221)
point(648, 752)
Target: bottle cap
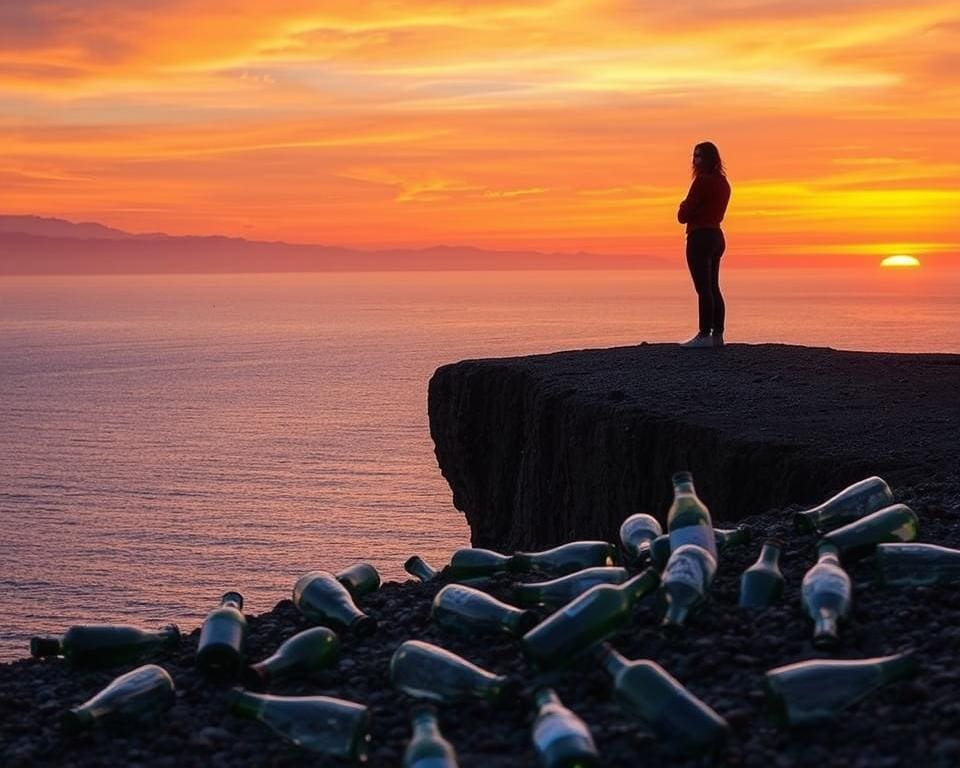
point(44, 645)
point(233, 597)
point(683, 476)
point(76, 720)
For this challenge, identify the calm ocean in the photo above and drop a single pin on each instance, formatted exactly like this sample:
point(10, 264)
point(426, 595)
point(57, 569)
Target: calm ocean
point(164, 439)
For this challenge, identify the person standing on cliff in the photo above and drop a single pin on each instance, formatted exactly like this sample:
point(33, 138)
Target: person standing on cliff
point(702, 211)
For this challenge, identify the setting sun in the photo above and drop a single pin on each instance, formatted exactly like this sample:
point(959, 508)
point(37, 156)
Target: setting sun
point(900, 261)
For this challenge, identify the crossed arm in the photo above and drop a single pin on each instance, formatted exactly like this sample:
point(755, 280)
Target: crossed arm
point(691, 203)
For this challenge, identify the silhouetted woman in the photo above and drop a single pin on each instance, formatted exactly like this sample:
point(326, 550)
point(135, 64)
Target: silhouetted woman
point(702, 211)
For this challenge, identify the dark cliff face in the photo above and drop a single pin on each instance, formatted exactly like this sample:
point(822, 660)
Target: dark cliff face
point(545, 449)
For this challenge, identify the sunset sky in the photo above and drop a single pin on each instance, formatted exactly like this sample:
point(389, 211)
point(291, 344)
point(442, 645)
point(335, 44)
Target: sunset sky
point(548, 125)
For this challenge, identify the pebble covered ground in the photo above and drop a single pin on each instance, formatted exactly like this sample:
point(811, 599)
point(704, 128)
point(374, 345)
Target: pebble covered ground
point(721, 656)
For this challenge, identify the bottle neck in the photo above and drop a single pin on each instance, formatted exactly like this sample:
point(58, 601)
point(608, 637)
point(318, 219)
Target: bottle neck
point(425, 725)
point(770, 554)
point(684, 488)
point(828, 553)
point(544, 697)
point(232, 600)
point(244, 703)
point(612, 661)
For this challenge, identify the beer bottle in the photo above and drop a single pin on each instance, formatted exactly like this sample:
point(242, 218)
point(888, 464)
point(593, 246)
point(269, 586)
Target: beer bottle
point(467, 611)
point(144, 692)
point(427, 747)
point(560, 738)
point(567, 558)
point(894, 523)
point(904, 565)
point(302, 654)
point(817, 690)
point(104, 644)
point(762, 583)
point(652, 694)
point(685, 582)
point(850, 504)
point(322, 724)
point(585, 621)
point(359, 579)
point(636, 534)
point(825, 593)
point(418, 567)
point(724, 538)
point(427, 671)
point(470, 562)
point(222, 637)
point(324, 600)
point(562, 590)
point(688, 520)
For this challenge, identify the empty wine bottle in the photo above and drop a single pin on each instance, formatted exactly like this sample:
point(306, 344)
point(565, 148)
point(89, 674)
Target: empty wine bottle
point(302, 654)
point(427, 747)
point(894, 523)
point(141, 693)
point(825, 594)
point(427, 671)
point(685, 582)
point(470, 562)
point(762, 583)
point(465, 610)
point(567, 558)
point(104, 644)
point(562, 590)
point(688, 520)
point(660, 551)
point(815, 691)
point(324, 600)
point(852, 503)
point(418, 567)
point(904, 565)
point(724, 538)
point(560, 738)
point(585, 621)
point(320, 724)
point(359, 579)
point(222, 637)
point(637, 532)
point(648, 691)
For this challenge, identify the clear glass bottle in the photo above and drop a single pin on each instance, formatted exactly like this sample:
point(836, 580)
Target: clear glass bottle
point(324, 600)
point(637, 532)
point(426, 671)
point(859, 538)
point(359, 579)
point(427, 747)
point(144, 692)
point(567, 558)
point(762, 583)
point(465, 610)
point(852, 503)
point(471, 562)
point(418, 567)
point(688, 520)
point(560, 591)
point(685, 583)
point(905, 565)
point(560, 738)
point(826, 595)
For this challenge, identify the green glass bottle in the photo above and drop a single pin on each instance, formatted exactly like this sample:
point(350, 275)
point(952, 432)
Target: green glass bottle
point(637, 532)
point(585, 621)
point(427, 747)
point(816, 691)
point(906, 565)
point(652, 694)
point(141, 693)
point(466, 610)
point(859, 538)
point(418, 567)
point(302, 654)
point(688, 520)
point(222, 637)
point(560, 738)
point(104, 644)
point(826, 595)
point(685, 582)
point(560, 591)
point(567, 558)
point(322, 724)
point(324, 600)
point(471, 562)
point(359, 579)
point(724, 538)
point(762, 583)
point(852, 503)
point(427, 671)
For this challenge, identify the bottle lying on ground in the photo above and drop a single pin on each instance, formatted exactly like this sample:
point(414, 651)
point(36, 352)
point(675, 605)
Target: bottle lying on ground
point(427, 671)
point(322, 724)
point(688, 520)
point(301, 655)
point(324, 600)
point(418, 567)
point(826, 595)
point(560, 591)
point(104, 644)
point(816, 691)
point(905, 565)
point(852, 503)
point(560, 738)
point(859, 538)
point(359, 579)
point(585, 621)
point(724, 538)
point(222, 637)
point(567, 558)
point(142, 693)
point(637, 532)
point(427, 747)
point(471, 562)
point(685, 583)
point(465, 610)
point(762, 583)
point(648, 691)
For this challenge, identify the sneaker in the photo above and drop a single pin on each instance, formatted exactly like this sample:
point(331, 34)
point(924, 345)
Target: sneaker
point(700, 341)
point(717, 339)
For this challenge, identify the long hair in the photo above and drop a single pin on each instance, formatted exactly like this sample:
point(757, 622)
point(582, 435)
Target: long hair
point(711, 159)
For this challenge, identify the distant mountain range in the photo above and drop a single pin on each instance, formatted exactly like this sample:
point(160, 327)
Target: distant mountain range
point(33, 245)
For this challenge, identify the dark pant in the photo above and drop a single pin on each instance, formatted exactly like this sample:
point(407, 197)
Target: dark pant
point(704, 249)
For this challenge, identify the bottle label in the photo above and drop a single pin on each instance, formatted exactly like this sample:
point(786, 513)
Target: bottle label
point(685, 570)
point(700, 535)
point(555, 727)
point(827, 582)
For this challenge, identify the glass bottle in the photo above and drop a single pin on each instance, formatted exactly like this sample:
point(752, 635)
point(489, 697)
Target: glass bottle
point(426, 671)
point(636, 534)
point(685, 582)
point(222, 637)
point(826, 595)
point(418, 567)
point(466, 610)
point(904, 565)
point(567, 558)
point(894, 523)
point(560, 738)
point(724, 537)
point(850, 504)
point(104, 644)
point(470, 562)
point(324, 600)
point(688, 520)
point(141, 693)
point(762, 583)
point(302, 654)
point(427, 747)
point(359, 579)
point(562, 590)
